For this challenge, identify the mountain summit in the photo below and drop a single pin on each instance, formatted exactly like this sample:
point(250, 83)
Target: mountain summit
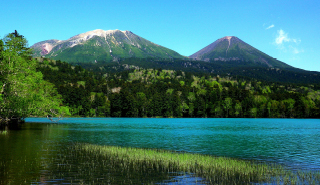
point(231, 48)
point(101, 45)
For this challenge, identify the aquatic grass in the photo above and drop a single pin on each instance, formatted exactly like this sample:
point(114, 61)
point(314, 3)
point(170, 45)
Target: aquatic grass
point(220, 170)
point(215, 170)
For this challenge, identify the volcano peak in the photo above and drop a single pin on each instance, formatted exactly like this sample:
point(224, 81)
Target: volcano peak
point(231, 48)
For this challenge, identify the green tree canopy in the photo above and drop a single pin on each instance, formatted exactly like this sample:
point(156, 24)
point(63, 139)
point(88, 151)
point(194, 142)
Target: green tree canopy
point(23, 91)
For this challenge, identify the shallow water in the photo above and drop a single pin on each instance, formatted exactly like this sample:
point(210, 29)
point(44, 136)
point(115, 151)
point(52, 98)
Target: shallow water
point(32, 153)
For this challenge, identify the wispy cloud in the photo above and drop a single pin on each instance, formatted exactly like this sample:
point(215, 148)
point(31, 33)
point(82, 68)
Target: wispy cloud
point(297, 41)
point(283, 38)
point(271, 26)
point(296, 50)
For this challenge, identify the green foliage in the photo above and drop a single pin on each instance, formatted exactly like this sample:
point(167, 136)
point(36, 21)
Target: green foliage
point(227, 104)
point(23, 91)
point(238, 109)
point(182, 83)
point(170, 91)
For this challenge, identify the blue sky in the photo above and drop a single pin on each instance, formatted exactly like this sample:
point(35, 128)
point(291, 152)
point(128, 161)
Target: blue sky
point(287, 30)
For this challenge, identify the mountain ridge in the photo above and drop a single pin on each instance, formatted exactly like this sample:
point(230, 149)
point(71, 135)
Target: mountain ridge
point(101, 45)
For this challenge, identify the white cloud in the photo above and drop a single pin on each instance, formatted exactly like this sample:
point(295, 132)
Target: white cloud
point(271, 26)
point(282, 37)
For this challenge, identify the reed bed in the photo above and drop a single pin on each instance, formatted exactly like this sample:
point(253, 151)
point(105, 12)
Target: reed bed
point(216, 170)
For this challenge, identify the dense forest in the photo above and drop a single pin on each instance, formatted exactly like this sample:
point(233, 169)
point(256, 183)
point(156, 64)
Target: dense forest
point(139, 92)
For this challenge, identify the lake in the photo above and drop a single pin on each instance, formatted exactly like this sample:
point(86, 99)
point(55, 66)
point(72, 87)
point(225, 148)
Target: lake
point(33, 153)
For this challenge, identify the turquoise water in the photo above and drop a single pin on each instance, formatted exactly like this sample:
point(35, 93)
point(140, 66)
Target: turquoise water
point(294, 143)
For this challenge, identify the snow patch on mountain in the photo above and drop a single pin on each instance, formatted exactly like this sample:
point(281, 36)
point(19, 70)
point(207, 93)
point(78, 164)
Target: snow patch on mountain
point(101, 33)
point(80, 38)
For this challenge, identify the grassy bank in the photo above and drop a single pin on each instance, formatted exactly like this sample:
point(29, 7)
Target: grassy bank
point(216, 170)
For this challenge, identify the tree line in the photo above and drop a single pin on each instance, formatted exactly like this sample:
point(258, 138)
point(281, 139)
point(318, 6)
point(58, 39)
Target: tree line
point(138, 92)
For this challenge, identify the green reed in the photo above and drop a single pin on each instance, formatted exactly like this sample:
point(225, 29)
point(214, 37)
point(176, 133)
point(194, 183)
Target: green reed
point(219, 170)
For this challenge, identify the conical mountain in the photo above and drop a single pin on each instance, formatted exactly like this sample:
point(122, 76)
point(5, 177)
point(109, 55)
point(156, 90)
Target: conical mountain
point(101, 45)
point(231, 48)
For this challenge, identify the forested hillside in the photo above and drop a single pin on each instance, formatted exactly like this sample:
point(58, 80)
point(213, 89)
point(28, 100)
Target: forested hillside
point(138, 92)
point(239, 68)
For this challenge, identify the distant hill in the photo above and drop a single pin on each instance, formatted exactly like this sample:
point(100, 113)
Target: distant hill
point(231, 48)
point(100, 45)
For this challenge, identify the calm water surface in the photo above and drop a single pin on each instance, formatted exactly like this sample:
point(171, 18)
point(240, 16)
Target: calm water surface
point(294, 143)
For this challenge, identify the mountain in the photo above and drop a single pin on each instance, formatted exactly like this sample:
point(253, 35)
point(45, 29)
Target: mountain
point(228, 56)
point(231, 48)
point(101, 45)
